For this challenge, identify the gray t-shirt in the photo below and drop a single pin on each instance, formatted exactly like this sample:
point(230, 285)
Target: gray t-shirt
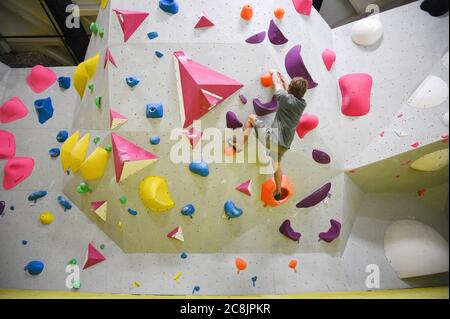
point(290, 109)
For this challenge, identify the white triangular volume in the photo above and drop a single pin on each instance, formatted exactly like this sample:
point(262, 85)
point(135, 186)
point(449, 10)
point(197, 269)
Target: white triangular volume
point(432, 92)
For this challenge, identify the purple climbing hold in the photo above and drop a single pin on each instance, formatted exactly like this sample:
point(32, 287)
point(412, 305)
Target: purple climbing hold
point(316, 197)
point(275, 34)
point(262, 109)
point(233, 121)
point(295, 66)
point(257, 38)
point(2, 206)
point(332, 233)
point(243, 98)
point(287, 231)
point(321, 157)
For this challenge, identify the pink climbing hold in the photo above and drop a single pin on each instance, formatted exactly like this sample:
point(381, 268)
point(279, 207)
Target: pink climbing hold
point(93, 257)
point(329, 57)
point(40, 78)
point(12, 110)
point(257, 38)
point(303, 6)
point(275, 34)
point(203, 22)
point(16, 171)
point(308, 123)
point(109, 57)
point(130, 21)
point(415, 145)
point(194, 137)
point(7, 145)
point(245, 188)
point(355, 90)
point(332, 233)
point(295, 66)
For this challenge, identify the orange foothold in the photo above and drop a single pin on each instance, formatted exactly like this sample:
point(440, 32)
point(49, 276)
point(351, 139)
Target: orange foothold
point(229, 151)
point(268, 189)
point(279, 13)
point(241, 264)
point(247, 12)
point(267, 80)
point(293, 264)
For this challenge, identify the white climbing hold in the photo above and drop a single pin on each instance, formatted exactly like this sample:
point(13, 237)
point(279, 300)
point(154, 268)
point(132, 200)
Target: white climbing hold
point(367, 32)
point(432, 92)
point(400, 133)
point(432, 162)
point(414, 249)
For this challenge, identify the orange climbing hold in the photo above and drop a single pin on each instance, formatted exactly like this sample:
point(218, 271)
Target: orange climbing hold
point(279, 13)
point(247, 12)
point(268, 189)
point(293, 264)
point(241, 264)
point(267, 80)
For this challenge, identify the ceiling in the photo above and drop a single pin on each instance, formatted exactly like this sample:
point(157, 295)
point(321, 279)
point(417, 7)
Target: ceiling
point(30, 33)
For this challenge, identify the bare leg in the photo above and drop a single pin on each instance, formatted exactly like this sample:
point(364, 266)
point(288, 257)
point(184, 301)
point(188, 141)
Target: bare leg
point(278, 176)
point(248, 125)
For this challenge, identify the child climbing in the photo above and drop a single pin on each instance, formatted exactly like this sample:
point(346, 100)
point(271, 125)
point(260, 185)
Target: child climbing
point(278, 138)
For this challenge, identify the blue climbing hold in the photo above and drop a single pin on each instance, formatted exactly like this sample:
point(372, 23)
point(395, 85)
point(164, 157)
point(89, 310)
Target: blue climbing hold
point(64, 82)
point(152, 35)
point(24, 242)
point(254, 280)
point(183, 256)
point(188, 210)
point(231, 210)
point(196, 289)
point(169, 6)
point(54, 152)
point(159, 54)
point(155, 140)
point(44, 109)
point(34, 267)
point(132, 81)
point(33, 197)
point(64, 203)
point(62, 136)
point(132, 212)
point(155, 111)
point(199, 168)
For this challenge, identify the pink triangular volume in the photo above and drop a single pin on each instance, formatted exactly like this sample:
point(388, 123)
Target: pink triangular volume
point(130, 21)
point(303, 6)
point(12, 110)
point(200, 88)
point(127, 152)
point(116, 119)
point(110, 58)
point(93, 257)
point(245, 188)
point(204, 22)
point(176, 233)
point(96, 205)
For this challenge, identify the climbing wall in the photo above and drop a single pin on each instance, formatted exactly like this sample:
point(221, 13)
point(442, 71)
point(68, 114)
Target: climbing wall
point(366, 194)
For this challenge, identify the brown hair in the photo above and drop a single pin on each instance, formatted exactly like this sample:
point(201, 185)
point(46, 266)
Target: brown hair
point(298, 87)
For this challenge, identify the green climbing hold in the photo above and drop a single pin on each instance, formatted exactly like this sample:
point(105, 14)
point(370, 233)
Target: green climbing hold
point(96, 140)
point(102, 246)
point(73, 261)
point(98, 101)
point(101, 32)
point(108, 149)
point(123, 200)
point(83, 188)
point(94, 27)
point(76, 284)
point(91, 86)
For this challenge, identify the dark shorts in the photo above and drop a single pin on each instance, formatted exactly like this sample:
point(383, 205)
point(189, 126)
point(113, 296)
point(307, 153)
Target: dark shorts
point(265, 136)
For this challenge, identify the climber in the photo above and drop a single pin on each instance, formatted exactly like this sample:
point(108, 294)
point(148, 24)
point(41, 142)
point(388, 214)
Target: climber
point(278, 138)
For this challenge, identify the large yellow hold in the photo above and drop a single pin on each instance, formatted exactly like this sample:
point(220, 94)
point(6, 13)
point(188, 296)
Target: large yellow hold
point(66, 150)
point(79, 152)
point(103, 3)
point(95, 165)
point(432, 162)
point(84, 72)
point(154, 193)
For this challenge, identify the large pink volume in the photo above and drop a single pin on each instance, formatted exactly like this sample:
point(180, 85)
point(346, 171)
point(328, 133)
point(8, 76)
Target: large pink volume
point(16, 171)
point(303, 6)
point(40, 78)
point(295, 66)
point(355, 90)
point(308, 123)
point(12, 110)
point(130, 21)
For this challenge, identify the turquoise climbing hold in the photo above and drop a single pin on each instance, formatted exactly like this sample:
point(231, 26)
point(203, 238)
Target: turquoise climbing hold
point(199, 168)
point(231, 210)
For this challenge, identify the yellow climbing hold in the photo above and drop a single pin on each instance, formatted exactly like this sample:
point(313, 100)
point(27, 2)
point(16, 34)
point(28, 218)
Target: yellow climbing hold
point(177, 276)
point(79, 152)
point(66, 150)
point(84, 72)
point(432, 162)
point(95, 165)
point(103, 3)
point(46, 218)
point(136, 283)
point(154, 193)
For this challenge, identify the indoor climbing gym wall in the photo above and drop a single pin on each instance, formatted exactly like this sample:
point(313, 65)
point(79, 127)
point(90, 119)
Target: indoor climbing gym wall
point(92, 176)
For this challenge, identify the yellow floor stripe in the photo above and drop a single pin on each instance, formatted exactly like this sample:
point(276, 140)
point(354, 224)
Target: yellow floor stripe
point(419, 293)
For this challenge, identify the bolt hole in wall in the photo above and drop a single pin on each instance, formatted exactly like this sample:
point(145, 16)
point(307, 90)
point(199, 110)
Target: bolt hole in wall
point(148, 165)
